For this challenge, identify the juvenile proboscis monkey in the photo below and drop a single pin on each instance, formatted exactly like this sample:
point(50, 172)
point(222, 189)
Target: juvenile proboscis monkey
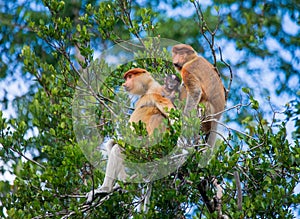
point(171, 86)
point(202, 84)
point(151, 109)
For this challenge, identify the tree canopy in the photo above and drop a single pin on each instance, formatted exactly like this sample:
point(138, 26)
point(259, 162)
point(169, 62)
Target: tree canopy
point(53, 46)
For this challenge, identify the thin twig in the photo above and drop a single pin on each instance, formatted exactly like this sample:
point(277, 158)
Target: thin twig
point(229, 128)
point(85, 208)
point(126, 10)
point(86, 83)
point(27, 158)
point(203, 28)
point(211, 42)
point(237, 106)
point(230, 71)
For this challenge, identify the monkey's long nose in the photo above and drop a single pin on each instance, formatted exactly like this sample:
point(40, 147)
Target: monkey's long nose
point(125, 87)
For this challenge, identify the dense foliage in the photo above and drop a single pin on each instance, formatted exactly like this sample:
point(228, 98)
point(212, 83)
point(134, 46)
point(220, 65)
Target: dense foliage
point(48, 43)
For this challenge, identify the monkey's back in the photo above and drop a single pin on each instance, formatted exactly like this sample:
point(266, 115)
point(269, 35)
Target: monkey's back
point(209, 81)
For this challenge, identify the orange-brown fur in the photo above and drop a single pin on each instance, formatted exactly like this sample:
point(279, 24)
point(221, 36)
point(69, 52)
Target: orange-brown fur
point(152, 107)
point(202, 84)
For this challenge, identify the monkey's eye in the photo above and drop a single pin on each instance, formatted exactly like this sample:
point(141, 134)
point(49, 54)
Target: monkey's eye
point(129, 76)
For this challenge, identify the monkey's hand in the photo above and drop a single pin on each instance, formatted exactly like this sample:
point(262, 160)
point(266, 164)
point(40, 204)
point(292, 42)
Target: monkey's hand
point(173, 94)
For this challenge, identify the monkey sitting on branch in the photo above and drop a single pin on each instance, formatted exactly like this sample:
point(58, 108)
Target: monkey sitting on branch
point(151, 108)
point(203, 86)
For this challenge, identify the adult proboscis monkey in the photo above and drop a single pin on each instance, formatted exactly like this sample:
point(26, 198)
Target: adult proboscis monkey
point(203, 85)
point(151, 108)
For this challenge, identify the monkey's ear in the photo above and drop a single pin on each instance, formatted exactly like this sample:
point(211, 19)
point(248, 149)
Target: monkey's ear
point(134, 71)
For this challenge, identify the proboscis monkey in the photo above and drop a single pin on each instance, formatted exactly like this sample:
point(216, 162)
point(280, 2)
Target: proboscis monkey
point(151, 108)
point(171, 86)
point(203, 85)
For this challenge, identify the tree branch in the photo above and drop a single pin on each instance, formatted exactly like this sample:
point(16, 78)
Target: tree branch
point(27, 158)
point(230, 71)
point(211, 42)
point(85, 208)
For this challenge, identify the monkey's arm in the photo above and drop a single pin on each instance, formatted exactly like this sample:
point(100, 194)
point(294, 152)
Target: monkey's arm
point(194, 91)
point(193, 98)
point(162, 104)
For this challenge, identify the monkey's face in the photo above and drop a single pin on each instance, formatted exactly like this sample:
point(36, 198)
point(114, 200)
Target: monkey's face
point(172, 83)
point(129, 82)
point(179, 59)
point(181, 54)
point(134, 84)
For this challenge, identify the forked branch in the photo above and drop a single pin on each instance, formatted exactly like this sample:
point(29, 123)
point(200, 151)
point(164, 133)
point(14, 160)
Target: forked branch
point(209, 36)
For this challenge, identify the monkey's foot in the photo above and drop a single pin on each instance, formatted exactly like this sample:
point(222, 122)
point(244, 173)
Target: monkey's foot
point(91, 195)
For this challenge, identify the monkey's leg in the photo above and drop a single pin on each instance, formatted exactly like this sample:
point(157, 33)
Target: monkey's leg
point(194, 91)
point(212, 135)
point(193, 98)
point(114, 169)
